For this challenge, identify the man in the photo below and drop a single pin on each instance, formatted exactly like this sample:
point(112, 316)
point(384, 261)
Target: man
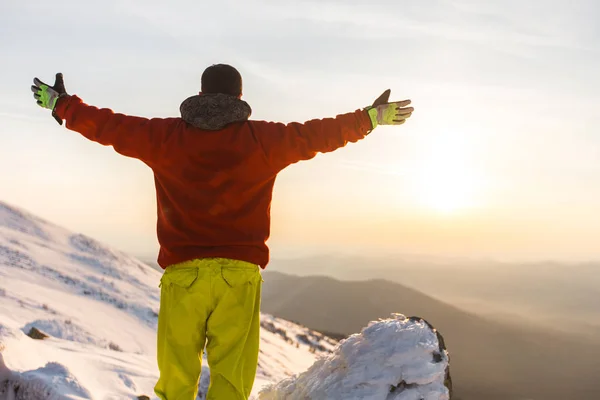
point(214, 171)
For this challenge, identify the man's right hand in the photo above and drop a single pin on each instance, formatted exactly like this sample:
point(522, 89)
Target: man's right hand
point(383, 112)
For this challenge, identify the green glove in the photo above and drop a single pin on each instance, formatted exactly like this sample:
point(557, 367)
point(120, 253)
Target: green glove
point(384, 113)
point(47, 96)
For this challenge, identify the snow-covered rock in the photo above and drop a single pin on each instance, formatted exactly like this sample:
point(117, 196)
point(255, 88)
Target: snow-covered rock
point(394, 359)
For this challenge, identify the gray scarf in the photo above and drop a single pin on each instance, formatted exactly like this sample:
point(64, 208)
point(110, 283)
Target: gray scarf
point(213, 111)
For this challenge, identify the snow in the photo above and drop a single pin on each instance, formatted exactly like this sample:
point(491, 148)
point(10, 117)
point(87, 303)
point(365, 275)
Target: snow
point(51, 382)
point(393, 359)
point(65, 329)
point(99, 308)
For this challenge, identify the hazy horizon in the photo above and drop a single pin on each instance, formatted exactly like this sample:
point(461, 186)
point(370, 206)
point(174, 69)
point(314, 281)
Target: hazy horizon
point(499, 160)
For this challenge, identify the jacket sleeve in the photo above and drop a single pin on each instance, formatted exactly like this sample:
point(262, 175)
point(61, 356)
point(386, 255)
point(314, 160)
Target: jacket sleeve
point(136, 137)
point(285, 144)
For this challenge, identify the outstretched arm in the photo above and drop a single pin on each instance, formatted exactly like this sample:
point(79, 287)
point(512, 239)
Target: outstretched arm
point(136, 137)
point(287, 144)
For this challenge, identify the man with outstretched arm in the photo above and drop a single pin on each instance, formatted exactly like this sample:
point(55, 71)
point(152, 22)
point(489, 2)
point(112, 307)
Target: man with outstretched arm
point(214, 171)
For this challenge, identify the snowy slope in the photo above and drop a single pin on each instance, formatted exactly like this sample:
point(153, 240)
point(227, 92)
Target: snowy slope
point(99, 308)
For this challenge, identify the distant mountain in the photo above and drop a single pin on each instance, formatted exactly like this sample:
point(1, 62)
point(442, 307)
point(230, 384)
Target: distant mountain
point(540, 292)
point(489, 360)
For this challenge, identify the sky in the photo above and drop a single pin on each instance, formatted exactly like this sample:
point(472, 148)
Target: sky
point(499, 160)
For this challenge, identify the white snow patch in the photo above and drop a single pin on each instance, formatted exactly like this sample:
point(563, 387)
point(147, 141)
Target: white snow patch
point(51, 382)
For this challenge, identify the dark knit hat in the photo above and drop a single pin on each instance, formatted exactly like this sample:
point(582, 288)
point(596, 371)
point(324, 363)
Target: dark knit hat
point(222, 78)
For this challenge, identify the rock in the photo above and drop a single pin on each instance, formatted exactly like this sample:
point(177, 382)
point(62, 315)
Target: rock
point(398, 358)
point(35, 333)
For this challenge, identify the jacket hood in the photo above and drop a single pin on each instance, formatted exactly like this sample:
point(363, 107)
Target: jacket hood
point(213, 111)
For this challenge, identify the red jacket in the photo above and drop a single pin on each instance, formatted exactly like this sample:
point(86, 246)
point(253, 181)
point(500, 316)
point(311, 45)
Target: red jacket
point(213, 187)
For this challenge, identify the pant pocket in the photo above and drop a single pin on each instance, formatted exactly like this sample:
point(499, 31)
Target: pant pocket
point(181, 277)
point(235, 277)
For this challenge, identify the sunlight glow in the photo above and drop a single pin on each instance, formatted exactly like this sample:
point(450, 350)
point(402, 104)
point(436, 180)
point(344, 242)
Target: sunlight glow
point(447, 181)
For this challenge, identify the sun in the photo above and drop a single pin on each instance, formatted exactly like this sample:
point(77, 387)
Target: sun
point(446, 191)
point(446, 180)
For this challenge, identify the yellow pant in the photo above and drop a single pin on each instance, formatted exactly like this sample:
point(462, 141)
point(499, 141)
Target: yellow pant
point(214, 301)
